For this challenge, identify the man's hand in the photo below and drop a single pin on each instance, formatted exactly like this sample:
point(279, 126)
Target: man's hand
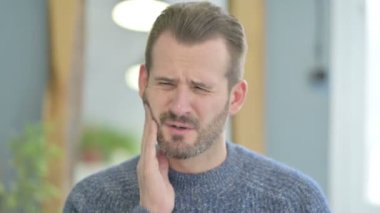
point(156, 192)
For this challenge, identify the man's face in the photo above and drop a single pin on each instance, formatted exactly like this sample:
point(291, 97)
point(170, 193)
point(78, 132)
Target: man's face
point(187, 93)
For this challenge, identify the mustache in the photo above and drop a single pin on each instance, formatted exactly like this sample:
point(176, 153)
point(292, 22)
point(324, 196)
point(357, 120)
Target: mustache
point(170, 116)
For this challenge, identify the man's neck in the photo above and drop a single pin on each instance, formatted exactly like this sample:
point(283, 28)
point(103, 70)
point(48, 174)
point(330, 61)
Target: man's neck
point(211, 158)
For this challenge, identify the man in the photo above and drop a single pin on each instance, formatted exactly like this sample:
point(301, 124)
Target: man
point(190, 83)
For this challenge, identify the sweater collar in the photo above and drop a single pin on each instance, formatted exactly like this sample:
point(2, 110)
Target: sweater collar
point(214, 179)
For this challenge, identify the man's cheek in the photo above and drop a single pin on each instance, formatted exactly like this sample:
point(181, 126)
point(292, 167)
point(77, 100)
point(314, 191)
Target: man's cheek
point(147, 101)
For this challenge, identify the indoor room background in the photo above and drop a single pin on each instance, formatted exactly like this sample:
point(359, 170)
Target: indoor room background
point(317, 91)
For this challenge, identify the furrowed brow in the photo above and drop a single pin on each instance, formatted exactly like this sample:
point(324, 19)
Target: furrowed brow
point(200, 84)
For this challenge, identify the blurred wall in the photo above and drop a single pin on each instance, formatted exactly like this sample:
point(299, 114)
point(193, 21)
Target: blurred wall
point(297, 94)
point(23, 69)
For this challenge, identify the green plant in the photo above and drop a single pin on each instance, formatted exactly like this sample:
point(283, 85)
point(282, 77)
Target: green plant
point(103, 141)
point(29, 189)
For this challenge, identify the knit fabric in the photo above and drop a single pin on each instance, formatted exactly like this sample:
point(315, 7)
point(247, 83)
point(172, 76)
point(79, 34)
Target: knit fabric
point(245, 182)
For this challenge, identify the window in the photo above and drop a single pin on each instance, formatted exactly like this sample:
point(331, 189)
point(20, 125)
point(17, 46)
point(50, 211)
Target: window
point(355, 106)
point(372, 89)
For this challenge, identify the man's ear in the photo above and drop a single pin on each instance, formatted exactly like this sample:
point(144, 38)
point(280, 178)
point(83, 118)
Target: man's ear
point(143, 79)
point(237, 96)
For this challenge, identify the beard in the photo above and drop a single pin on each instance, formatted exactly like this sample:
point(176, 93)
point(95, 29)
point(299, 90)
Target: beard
point(176, 146)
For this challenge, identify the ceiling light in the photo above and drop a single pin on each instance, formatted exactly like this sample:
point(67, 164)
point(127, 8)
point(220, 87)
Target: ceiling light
point(132, 77)
point(137, 15)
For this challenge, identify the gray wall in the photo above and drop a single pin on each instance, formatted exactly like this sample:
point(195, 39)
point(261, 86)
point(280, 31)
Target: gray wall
point(297, 119)
point(23, 69)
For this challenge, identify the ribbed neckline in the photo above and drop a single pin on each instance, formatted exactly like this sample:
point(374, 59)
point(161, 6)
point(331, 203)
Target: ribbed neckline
point(214, 179)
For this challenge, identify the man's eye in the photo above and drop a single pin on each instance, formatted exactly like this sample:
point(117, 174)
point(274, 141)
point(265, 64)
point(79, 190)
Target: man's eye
point(201, 89)
point(166, 84)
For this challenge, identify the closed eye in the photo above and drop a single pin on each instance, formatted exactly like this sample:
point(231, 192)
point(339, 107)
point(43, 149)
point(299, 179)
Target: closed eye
point(201, 89)
point(166, 84)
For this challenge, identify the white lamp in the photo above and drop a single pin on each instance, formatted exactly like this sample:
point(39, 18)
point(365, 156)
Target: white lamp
point(137, 15)
point(132, 77)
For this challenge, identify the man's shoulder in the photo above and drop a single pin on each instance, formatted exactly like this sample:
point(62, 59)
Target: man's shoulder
point(277, 180)
point(269, 170)
point(105, 187)
point(113, 176)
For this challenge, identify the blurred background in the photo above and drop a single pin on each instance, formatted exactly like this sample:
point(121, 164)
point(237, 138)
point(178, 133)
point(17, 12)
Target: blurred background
point(69, 105)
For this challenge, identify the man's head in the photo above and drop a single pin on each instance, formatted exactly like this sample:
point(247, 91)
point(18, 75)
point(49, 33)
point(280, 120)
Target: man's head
point(195, 22)
point(192, 78)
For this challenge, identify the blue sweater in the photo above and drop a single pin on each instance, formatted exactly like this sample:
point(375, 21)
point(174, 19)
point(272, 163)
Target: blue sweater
point(245, 182)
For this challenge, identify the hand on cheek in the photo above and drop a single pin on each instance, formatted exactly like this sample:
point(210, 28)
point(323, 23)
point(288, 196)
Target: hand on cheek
point(156, 192)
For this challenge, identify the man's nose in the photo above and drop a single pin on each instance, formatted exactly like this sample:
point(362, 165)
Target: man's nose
point(181, 101)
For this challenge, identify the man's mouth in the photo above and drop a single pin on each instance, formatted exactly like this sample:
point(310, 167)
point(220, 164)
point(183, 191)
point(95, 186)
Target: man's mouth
point(179, 127)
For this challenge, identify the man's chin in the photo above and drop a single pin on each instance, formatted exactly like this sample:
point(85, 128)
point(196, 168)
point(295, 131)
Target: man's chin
point(178, 150)
point(178, 141)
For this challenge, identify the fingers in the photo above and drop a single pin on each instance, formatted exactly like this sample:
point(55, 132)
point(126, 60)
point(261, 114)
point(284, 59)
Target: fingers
point(148, 149)
point(156, 192)
point(163, 164)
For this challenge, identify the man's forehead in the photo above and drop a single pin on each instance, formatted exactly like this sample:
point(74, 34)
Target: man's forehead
point(168, 47)
point(168, 35)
